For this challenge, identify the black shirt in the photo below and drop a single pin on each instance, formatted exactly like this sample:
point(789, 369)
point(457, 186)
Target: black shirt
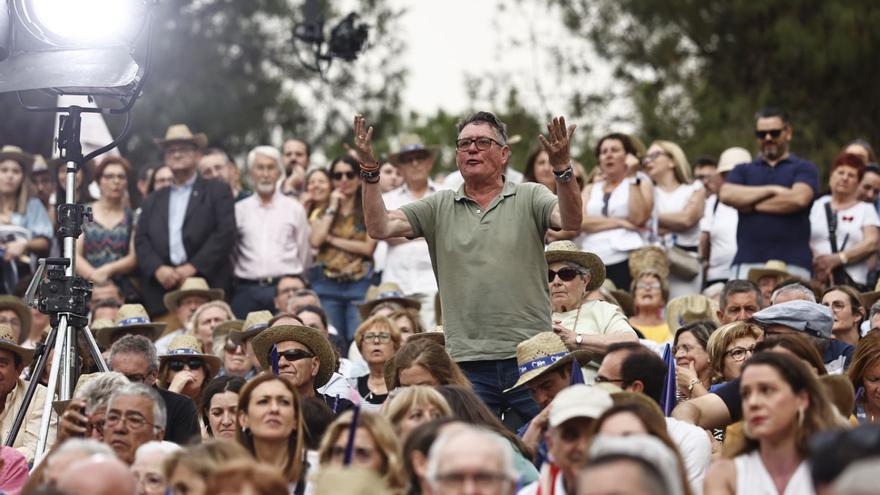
point(182, 420)
point(367, 394)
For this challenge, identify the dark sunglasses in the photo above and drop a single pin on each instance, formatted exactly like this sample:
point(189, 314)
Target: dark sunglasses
point(774, 133)
point(295, 355)
point(178, 365)
point(231, 346)
point(340, 175)
point(565, 274)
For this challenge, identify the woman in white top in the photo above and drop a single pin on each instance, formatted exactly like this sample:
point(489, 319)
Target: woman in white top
point(678, 206)
point(616, 207)
point(857, 225)
point(783, 407)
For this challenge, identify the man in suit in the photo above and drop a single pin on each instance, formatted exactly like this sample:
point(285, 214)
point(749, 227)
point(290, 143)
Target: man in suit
point(187, 229)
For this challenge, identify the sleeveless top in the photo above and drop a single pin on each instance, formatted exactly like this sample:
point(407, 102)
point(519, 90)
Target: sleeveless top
point(612, 246)
point(674, 202)
point(752, 477)
point(102, 245)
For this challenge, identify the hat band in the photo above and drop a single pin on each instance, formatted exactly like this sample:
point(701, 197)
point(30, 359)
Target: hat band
point(412, 147)
point(134, 320)
point(183, 350)
point(255, 327)
point(4, 340)
point(541, 362)
point(389, 295)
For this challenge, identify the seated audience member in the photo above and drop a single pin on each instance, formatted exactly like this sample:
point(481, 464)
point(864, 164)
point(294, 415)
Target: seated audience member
point(423, 362)
point(729, 346)
point(832, 452)
point(183, 303)
point(408, 322)
point(15, 313)
point(106, 290)
point(846, 306)
point(204, 323)
point(865, 377)
point(106, 476)
point(582, 323)
point(84, 415)
point(382, 300)
point(316, 317)
point(792, 290)
point(738, 301)
point(185, 369)
point(375, 447)
point(409, 407)
point(131, 319)
point(59, 459)
point(285, 290)
point(463, 454)
point(105, 309)
point(148, 467)
point(650, 294)
point(378, 340)
point(135, 357)
point(239, 358)
point(693, 374)
point(281, 443)
point(136, 415)
point(769, 277)
point(219, 405)
point(415, 452)
point(189, 470)
point(869, 187)
point(237, 477)
point(633, 464)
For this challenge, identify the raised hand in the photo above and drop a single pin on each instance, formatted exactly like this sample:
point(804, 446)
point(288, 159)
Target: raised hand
point(558, 144)
point(363, 142)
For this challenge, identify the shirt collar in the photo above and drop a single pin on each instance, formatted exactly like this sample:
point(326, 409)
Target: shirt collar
point(186, 185)
point(508, 189)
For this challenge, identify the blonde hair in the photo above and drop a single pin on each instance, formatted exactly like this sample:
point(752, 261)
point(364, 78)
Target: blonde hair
point(723, 337)
point(404, 399)
point(217, 342)
point(381, 323)
point(682, 168)
point(205, 458)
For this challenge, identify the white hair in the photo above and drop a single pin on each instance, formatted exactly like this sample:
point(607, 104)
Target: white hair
point(84, 446)
point(267, 151)
point(96, 393)
point(808, 294)
point(163, 447)
point(476, 436)
point(141, 390)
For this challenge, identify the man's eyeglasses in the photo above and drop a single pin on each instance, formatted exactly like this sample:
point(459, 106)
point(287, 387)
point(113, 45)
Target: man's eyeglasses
point(295, 355)
point(482, 143)
point(565, 274)
point(179, 364)
point(413, 157)
point(348, 175)
point(605, 379)
point(382, 337)
point(14, 322)
point(137, 378)
point(740, 353)
point(481, 479)
point(774, 133)
point(171, 150)
point(133, 422)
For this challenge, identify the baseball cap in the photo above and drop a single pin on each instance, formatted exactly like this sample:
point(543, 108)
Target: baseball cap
point(579, 401)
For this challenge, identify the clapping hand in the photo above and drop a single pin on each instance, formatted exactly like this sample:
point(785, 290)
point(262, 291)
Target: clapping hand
point(558, 145)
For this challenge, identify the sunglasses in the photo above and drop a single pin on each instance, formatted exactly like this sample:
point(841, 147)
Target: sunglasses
point(774, 133)
point(192, 364)
point(565, 274)
point(340, 175)
point(295, 355)
point(231, 346)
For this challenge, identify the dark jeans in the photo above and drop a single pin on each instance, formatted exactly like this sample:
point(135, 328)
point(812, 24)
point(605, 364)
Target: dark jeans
point(490, 379)
point(251, 296)
point(340, 300)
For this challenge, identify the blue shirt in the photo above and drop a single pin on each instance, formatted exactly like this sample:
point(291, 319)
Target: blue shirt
point(768, 236)
point(178, 200)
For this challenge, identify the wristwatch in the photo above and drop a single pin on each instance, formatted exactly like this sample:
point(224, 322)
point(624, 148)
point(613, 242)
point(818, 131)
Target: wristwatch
point(692, 383)
point(578, 339)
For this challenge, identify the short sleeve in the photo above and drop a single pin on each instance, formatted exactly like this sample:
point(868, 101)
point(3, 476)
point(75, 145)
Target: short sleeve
point(729, 393)
point(37, 219)
point(737, 175)
point(421, 215)
point(808, 174)
point(871, 217)
point(544, 201)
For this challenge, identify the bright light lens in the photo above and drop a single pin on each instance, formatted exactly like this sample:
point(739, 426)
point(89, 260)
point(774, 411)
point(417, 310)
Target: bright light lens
point(87, 22)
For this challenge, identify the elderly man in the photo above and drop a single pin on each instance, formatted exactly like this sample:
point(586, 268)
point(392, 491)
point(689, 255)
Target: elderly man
point(486, 241)
point(272, 238)
point(135, 357)
point(582, 324)
point(85, 413)
point(98, 475)
point(739, 300)
point(13, 360)
point(183, 303)
point(634, 464)
point(216, 164)
point(136, 415)
point(186, 229)
point(297, 155)
point(69, 452)
point(572, 416)
point(471, 460)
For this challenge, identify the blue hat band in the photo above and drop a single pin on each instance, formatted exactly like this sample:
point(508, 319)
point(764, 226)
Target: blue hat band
point(183, 351)
point(541, 362)
point(134, 320)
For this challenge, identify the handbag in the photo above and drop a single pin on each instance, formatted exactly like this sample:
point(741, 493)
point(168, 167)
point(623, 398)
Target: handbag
point(682, 263)
point(839, 274)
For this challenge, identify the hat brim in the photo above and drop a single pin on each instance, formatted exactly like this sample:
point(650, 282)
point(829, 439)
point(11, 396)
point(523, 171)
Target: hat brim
point(26, 160)
point(200, 140)
point(394, 158)
point(212, 362)
point(23, 312)
point(310, 337)
point(756, 274)
point(583, 358)
point(241, 335)
point(869, 298)
point(172, 299)
point(587, 260)
point(367, 306)
point(26, 355)
point(105, 336)
point(60, 405)
point(227, 328)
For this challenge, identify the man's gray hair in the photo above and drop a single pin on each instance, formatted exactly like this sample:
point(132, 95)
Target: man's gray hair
point(799, 288)
point(137, 344)
point(85, 446)
point(486, 118)
point(146, 391)
point(737, 286)
point(476, 436)
point(267, 151)
point(163, 447)
point(96, 393)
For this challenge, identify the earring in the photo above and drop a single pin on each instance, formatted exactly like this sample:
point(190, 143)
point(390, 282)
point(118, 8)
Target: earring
point(801, 417)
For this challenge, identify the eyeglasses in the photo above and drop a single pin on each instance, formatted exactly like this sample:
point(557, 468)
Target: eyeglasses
point(295, 355)
point(179, 364)
point(653, 156)
point(604, 379)
point(98, 426)
point(482, 479)
point(137, 378)
point(565, 274)
point(15, 322)
point(348, 175)
point(740, 353)
point(152, 482)
point(382, 337)
point(774, 133)
point(648, 285)
point(179, 149)
point(837, 305)
point(482, 143)
point(231, 346)
point(684, 347)
point(133, 422)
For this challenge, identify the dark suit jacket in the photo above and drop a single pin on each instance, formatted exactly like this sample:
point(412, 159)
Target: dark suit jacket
point(182, 422)
point(208, 237)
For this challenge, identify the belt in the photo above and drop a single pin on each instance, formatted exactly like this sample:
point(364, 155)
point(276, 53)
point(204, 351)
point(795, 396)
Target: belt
point(262, 282)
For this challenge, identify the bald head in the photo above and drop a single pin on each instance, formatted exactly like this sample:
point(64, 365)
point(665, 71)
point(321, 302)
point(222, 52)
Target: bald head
point(106, 476)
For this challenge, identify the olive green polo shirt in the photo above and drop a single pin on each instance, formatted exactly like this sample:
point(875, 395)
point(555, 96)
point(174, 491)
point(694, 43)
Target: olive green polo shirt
point(489, 265)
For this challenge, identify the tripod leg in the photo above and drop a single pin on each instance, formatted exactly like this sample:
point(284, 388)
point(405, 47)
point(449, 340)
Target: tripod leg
point(60, 347)
point(94, 349)
point(32, 387)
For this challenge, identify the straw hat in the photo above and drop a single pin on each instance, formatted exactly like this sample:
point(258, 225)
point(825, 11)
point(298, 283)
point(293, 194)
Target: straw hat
point(226, 328)
point(254, 323)
point(8, 343)
point(684, 310)
point(869, 298)
point(568, 251)
point(410, 143)
point(130, 319)
point(312, 338)
point(192, 286)
point(180, 133)
point(100, 323)
point(775, 268)
point(543, 353)
point(386, 292)
point(731, 157)
point(648, 258)
point(187, 347)
point(22, 311)
point(40, 166)
point(16, 154)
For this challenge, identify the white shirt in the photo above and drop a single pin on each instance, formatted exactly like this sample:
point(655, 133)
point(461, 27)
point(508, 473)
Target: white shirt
point(850, 231)
point(752, 477)
point(271, 239)
point(675, 202)
point(594, 318)
point(695, 448)
point(720, 222)
point(612, 246)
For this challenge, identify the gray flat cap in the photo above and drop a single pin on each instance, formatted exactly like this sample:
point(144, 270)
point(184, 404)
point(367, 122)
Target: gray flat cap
point(808, 317)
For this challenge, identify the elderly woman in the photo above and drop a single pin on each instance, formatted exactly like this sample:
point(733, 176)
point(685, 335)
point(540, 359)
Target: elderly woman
point(582, 324)
point(206, 319)
point(650, 294)
point(378, 340)
point(729, 346)
point(865, 377)
point(855, 224)
point(693, 375)
point(185, 369)
point(408, 322)
point(148, 467)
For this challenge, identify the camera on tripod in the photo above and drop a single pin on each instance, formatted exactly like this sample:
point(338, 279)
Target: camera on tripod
point(59, 293)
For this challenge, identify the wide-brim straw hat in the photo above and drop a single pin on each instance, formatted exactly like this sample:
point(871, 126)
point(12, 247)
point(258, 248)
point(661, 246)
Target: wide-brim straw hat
point(8, 343)
point(224, 329)
point(684, 310)
point(775, 268)
point(18, 155)
point(542, 354)
point(130, 319)
point(187, 347)
point(869, 298)
point(386, 292)
point(648, 258)
point(254, 323)
point(568, 251)
point(310, 337)
point(192, 286)
point(410, 143)
point(24, 314)
point(180, 133)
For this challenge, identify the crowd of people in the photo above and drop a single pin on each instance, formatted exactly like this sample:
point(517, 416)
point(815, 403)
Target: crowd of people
point(656, 326)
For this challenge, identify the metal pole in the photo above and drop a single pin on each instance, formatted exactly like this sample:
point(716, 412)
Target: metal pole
point(60, 339)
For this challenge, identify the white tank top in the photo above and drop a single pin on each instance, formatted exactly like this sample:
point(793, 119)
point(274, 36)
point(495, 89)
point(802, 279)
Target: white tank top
point(612, 246)
point(752, 478)
point(674, 202)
